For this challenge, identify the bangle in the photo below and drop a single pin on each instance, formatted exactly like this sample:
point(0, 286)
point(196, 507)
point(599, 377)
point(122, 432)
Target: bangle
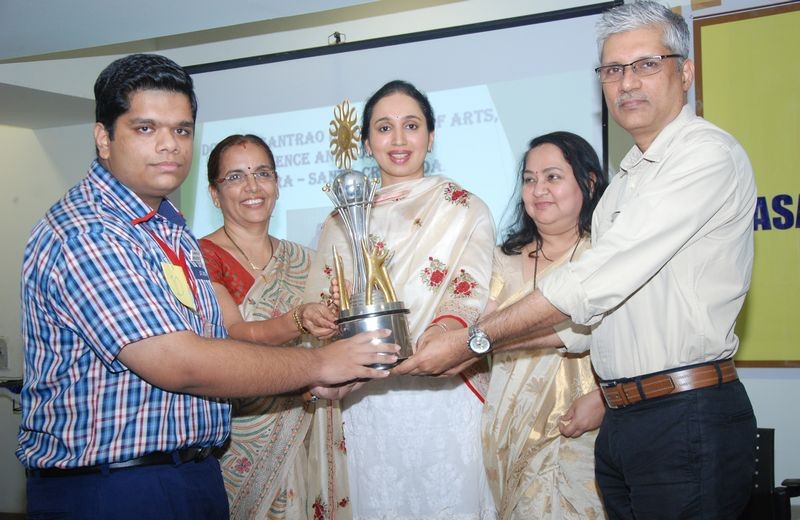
point(437, 324)
point(452, 317)
point(299, 323)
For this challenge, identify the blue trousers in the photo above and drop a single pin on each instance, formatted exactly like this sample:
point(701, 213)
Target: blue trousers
point(686, 456)
point(193, 490)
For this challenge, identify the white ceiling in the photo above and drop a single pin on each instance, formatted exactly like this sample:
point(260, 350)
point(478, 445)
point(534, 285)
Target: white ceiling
point(39, 40)
point(34, 27)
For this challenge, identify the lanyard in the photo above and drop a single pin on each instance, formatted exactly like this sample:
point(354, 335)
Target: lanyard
point(179, 260)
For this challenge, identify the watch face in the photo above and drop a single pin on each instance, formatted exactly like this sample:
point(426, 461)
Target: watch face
point(478, 341)
point(480, 344)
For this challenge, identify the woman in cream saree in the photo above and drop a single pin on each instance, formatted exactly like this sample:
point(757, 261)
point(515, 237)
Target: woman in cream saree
point(538, 454)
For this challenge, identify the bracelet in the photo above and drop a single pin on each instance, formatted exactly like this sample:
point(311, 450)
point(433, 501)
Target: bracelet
point(437, 324)
point(299, 323)
point(453, 317)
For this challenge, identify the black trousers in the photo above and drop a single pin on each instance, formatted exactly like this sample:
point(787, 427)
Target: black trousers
point(685, 456)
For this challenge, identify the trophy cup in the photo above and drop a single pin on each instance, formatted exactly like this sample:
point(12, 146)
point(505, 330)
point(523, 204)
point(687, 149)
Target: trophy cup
point(372, 304)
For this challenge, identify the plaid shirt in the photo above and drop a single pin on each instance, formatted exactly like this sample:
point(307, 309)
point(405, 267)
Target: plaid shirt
point(92, 283)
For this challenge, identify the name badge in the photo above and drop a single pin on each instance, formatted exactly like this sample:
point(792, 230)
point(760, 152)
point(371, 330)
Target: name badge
point(195, 257)
point(176, 279)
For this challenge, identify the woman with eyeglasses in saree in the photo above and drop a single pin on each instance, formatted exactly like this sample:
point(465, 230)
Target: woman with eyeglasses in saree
point(259, 282)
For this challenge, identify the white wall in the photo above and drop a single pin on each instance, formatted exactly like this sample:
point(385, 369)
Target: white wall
point(39, 166)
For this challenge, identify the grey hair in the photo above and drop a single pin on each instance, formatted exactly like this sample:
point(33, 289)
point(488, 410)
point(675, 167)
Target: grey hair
point(637, 15)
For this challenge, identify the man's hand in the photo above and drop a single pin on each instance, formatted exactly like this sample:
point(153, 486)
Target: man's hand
point(438, 354)
point(584, 414)
point(345, 360)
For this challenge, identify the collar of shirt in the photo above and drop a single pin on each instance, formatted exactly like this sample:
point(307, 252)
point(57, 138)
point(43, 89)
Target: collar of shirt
point(122, 201)
point(655, 153)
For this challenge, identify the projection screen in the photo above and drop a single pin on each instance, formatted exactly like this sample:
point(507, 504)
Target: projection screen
point(493, 86)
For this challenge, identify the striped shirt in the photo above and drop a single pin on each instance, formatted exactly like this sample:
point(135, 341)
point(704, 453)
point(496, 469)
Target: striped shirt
point(92, 283)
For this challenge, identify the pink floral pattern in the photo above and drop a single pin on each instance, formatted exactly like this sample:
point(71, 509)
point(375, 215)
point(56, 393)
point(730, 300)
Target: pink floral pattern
point(328, 270)
point(377, 241)
point(463, 284)
point(457, 195)
point(242, 465)
point(434, 274)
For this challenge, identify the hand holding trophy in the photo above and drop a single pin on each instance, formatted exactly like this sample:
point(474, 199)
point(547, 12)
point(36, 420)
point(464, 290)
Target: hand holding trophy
point(372, 304)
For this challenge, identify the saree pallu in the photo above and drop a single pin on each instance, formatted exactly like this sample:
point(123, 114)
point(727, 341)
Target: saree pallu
point(264, 465)
point(412, 447)
point(533, 470)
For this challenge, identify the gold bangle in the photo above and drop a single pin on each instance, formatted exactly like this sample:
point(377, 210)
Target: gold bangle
point(299, 323)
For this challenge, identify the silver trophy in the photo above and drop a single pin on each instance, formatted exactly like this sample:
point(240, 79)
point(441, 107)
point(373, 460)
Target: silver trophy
point(372, 304)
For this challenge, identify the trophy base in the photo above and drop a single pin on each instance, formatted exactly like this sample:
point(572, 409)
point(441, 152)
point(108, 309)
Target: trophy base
point(367, 318)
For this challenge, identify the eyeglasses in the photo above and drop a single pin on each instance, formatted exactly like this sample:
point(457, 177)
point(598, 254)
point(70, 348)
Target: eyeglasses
point(641, 67)
point(239, 178)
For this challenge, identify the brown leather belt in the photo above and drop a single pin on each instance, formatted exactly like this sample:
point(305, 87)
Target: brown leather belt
point(620, 393)
point(181, 456)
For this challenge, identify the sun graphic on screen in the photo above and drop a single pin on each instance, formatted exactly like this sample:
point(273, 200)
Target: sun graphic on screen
point(346, 134)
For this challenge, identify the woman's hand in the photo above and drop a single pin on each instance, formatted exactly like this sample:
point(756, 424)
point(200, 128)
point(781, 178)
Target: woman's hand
point(584, 414)
point(335, 392)
point(334, 290)
point(433, 330)
point(317, 319)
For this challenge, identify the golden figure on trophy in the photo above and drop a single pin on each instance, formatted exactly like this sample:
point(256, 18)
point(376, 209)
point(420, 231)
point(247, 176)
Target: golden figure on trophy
point(372, 303)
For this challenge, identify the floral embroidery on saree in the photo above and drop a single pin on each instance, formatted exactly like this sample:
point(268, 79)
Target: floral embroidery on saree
point(377, 242)
point(434, 274)
point(457, 195)
point(462, 285)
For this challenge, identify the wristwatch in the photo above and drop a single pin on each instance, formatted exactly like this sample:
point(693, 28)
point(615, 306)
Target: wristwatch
point(478, 341)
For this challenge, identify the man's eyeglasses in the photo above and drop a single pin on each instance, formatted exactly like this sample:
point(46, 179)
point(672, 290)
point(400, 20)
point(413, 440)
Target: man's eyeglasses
point(238, 178)
point(641, 67)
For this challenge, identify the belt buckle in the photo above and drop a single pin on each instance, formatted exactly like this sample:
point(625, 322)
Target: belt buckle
point(202, 453)
point(608, 385)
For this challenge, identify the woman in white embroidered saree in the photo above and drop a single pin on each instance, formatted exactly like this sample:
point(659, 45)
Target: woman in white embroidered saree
point(412, 444)
point(542, 404)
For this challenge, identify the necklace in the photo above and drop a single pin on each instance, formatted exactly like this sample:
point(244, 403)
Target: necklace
point(253, 266)
point(540, 251)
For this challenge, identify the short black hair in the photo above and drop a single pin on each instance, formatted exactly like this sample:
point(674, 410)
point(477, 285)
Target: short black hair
point(590, 176)
point(124, 76)
point(395, 87)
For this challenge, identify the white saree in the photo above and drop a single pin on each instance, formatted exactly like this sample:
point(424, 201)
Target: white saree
point(412, 443)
